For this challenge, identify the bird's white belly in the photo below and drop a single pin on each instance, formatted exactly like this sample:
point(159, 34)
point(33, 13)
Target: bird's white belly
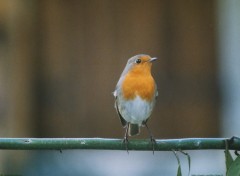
point(136, 111)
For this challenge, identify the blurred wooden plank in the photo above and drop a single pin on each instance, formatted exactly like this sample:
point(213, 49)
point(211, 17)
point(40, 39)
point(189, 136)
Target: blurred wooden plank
point(190, 87)
point(22, 56)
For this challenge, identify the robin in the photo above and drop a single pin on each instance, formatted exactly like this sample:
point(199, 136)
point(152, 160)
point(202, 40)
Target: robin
point(135, 95)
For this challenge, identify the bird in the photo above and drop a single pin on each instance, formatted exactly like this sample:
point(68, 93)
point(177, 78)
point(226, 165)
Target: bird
point(135, 96)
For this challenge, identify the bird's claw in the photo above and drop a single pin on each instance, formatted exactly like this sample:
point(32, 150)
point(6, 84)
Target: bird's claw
point(153, 142)
point(125, 142)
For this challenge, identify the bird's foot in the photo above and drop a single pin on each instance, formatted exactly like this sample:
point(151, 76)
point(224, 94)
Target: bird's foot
point(153, 142)
point(125, 142)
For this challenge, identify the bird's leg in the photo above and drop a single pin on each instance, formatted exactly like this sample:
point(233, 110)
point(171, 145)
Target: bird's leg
point(125, 139)
point(153, 141)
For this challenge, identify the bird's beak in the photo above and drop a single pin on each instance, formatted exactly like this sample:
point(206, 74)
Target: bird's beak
point(152, 59)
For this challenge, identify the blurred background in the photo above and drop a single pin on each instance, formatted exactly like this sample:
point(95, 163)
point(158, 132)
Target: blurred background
point(60, 62)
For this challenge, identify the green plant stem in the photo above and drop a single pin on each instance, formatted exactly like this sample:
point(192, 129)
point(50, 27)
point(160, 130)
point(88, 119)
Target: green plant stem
point(116, 144)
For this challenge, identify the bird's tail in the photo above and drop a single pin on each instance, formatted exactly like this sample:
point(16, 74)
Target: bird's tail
point(133, 129)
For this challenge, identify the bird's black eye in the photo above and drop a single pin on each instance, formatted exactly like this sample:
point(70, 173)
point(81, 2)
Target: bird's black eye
point(138, 61)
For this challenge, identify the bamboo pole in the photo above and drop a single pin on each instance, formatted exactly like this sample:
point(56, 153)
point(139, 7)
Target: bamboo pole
point(117, 144)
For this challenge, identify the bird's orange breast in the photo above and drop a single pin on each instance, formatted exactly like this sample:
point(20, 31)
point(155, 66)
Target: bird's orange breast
point(139, 82)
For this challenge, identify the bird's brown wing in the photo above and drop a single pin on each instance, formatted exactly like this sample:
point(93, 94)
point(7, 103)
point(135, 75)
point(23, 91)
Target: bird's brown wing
point(124, 123)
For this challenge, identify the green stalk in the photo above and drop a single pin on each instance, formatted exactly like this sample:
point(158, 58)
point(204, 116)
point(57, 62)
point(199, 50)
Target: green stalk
point(116, 144)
